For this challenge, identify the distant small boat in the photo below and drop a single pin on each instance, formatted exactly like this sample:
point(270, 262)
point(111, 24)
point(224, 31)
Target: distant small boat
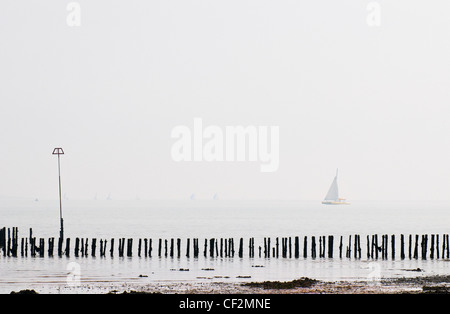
point(332, 197)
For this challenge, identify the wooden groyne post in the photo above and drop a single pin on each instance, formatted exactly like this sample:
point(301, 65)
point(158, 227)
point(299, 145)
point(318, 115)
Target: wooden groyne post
point(283, 247)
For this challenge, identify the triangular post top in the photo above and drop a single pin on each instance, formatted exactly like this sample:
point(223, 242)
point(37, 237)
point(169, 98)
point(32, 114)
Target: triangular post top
point(58, 151)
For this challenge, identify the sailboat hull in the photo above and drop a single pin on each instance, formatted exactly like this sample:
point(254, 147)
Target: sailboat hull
point(335, 203)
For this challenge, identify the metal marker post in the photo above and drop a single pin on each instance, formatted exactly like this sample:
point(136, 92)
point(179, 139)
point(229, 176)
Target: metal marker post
point(59, 151)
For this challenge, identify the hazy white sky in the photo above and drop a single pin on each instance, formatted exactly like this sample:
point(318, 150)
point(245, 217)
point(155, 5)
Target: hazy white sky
point(371, 101)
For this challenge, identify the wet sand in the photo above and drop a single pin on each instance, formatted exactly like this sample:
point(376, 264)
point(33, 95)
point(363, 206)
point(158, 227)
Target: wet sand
point(418, 285)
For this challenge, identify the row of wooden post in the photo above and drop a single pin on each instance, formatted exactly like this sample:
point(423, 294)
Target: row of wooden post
point(286, 247)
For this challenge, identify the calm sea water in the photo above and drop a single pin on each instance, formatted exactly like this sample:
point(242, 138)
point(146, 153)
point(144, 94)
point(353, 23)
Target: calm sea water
point(213, 219)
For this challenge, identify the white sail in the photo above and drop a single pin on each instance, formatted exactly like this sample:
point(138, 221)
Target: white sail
point(333, 192)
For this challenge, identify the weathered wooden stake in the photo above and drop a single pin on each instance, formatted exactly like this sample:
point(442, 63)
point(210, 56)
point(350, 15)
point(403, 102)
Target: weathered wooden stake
point(130, 248)
point(402, 246)
point(86, 246)
point(368, 246)
point(320, 246)
point(93, 247)
point(68, 247)
point(188, 244)
point(290, 247)
point(410, 246)
point(393, 246)
point(77, 246)
point(437, 245)
point(349, 248)
point(241, 247)
point(82, 247)
point(422, 247)
point(150, 247)
point(432, 247)
point(416, 247)
point(195, 247)
point(60, 244)
point(41, 248)
point(111, 251)
point(226, 247)
point(211, 247)
point(313, 247)
point(305, 247)
point(277, 245)
point(448, 251)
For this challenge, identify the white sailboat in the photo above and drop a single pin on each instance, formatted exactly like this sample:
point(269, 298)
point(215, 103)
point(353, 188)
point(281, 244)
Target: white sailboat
point(332, 197)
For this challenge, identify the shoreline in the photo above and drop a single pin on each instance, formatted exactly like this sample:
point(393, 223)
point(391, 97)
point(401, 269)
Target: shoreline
point(439, 284)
